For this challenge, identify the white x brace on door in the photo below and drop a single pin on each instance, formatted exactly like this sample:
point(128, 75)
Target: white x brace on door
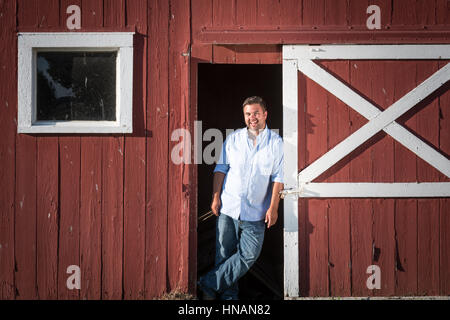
point(300, 58)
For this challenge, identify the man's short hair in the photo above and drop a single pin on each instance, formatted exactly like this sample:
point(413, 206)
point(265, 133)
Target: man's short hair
point(255, 100)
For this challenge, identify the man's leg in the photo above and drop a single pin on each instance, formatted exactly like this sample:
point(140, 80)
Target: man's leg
point(227, 231)
point(227, 274)
point(226, 246)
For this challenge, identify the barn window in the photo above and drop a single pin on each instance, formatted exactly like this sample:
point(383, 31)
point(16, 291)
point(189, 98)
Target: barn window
point(75, 82)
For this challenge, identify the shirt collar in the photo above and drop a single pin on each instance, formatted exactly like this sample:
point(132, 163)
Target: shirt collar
point(260, 137)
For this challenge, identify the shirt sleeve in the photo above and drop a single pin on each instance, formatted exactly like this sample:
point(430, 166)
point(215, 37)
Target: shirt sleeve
point(278, 172)
point(223, 165)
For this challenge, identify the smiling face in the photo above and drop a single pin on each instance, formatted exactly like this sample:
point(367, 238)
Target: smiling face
point(255, 117)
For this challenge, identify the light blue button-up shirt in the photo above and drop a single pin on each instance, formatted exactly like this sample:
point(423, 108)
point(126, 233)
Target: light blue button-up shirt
point(250, 171)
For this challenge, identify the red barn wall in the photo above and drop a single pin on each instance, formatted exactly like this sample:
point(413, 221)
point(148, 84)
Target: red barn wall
point(120, 209)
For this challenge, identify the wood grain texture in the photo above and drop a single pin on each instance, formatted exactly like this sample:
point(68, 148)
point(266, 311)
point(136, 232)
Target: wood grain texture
point(361, 210)
point(406, 209)
point(178, 185)
point(382, 157)
point(91, 187)
point(135, 162)
point(338, 209)
point(444, 204)
point(47, 217)
point(157, 151)
point(112, 187)
point(8, 102)
point(25, 192)
point(47, 185)
point(317, 214)
point(427, 120)
point(69, 217)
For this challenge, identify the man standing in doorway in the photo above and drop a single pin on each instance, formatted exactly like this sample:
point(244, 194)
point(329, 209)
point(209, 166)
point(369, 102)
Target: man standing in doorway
point(247, 180)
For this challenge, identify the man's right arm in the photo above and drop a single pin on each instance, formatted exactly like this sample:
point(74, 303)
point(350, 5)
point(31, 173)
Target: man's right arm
point(217, 189)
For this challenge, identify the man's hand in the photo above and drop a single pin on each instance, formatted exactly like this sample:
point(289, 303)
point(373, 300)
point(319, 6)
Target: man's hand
point(215, 205)
point(271, 216)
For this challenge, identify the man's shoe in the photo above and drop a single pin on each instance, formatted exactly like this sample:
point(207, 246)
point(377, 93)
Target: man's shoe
point(205, 294)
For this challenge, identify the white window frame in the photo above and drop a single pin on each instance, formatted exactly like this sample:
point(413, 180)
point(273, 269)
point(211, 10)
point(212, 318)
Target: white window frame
point(29, 43)
point(301, 58)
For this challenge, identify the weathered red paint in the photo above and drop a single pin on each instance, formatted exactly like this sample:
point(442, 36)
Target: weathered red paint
point(121, 210)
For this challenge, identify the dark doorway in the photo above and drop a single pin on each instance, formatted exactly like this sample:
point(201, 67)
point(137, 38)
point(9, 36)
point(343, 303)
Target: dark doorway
point(221, 90)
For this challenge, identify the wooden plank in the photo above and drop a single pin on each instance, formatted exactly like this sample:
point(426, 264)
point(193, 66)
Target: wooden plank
point(90, 217)
point(405, 210)
point(442, 7)
point(202, 11)
point(356, 13)
point(25, 193)
point(246, 13)
point(291, 13)
point(335, 12)
point(48, 14)
point(224, 12)
point(406, 246)
point(27, 13)
point(69, 194)
point(199, 53)
point(420, 14)
point(338, 210)
point(47, 187)
point(373, 190)
point(157, 151)
point(444, 204)
point(224, 54)
point(372, 52)
point(179, 117)
point(112, 217)
point(25, 218)
point(114, 13)
point(91, 187)
point(112, 187)
point(385, 11)
point(268, 13)
point(69, 214)
point(91, 13)
point(135, 163)
point(428, 209)
point(8, 130)
point(382, 150)
point(426, 13)
point(47, 217)
point(403, 13)
point(261, 54)
point(292, 267)
point(313, 13)
point(317, 214)
point(322, 35)
point(361, 210)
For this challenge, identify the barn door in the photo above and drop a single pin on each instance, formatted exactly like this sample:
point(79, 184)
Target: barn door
point(313, 168)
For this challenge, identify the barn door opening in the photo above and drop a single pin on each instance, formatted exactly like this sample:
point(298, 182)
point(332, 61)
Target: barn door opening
point(221, 90)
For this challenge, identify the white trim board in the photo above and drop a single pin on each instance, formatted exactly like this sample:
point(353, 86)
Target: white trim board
point(302, 56)
point(31, 42)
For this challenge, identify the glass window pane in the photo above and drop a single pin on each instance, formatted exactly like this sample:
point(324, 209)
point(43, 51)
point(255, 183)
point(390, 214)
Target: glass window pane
point(76, 86)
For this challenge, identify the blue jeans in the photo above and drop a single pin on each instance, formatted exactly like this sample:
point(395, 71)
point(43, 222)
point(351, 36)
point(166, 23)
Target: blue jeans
point(238, 245)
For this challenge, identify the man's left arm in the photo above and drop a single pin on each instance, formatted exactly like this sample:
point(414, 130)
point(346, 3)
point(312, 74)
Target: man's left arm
point(272, 212)
point(277, 185)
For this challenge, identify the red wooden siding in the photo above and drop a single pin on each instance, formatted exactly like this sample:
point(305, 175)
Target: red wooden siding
point(120, 209)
